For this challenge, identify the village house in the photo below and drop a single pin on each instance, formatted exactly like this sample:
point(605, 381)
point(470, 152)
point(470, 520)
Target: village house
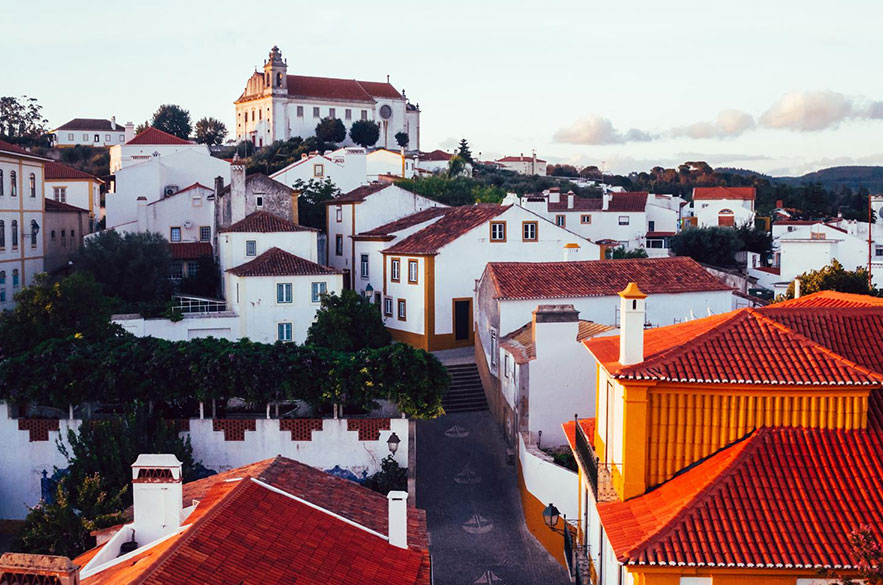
point(530, 358)
point(93, 132)
point(723, 206)
point(150, 143)
point(65, 226)
point(436, 161)
point(710, 458)
point(301, 525)
point(68, 185)
point(523, 165)
point(345, 167)
point(277, 106)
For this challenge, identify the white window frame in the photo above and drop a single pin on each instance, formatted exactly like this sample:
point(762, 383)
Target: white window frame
point(624, 220)
point(387, 306)
point(317, 289)
point(251, 247)
point(413, 271)
point(284, 293)
point(364, 265)
point(285, 332)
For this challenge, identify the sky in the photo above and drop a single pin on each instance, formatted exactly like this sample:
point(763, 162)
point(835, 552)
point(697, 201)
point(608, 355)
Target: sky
point(782, 87)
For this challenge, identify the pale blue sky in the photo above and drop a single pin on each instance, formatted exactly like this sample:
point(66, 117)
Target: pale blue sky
point(567, 78)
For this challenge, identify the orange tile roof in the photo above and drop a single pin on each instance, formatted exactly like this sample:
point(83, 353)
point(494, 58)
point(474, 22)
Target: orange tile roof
point(455, 223)
point(54, 171)
point(58, 206)
point(189, 250)
point(156, 136)
point(17, 150)
point(719, 193)
point(588, 427)
point(518, 159)
point(277, 262)
point(358, 194)
point(264, 223)
point(404, 223)
point(831, 299)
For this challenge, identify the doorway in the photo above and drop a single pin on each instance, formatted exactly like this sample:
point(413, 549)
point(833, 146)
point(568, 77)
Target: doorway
point(462, 319)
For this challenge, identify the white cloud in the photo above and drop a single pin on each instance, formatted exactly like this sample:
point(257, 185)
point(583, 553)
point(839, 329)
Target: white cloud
point(808, 111)
point(594, 130)
point(729, 124)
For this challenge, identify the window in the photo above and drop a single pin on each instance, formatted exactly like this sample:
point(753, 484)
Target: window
point(252, 115)
point(339, 214)
point(506, 364)
point(85, 138)
point(97, 138)
point(14, 226)
point(493, 348)
point(283, 292)
point(318, 289)
point(2, 278)
point(2, 234)
point(364, 114)
point(63, 234)
point(192, 265)
point(651, 226)
point(498, 231)
point(122, 137)
point(176, 270)
point(878, 250)
point(283, 331)
point(107, 137)
point(348, 114)
point(300, 111)
point(1, 182)
point(13, 187)
point(387, 306)
point(560, 220)
point(260, 114)
point(338, 245)
point(332, 113)
point(52, 235)
point(412, 271)
point(259, 201)
point(15, 281)
point(656, 244)
point(251, 248)
point(32, 185)
point(364, 265)
point(59, 194)
point(70, 136)
point(175, 234)
point(205, 233)
point(403, 313)
point(623, 220)
point(315, 112)
point(585, 218)
point(72, 233)
point(318, 170)
point(35, 229)
point(529, 231)
point(394, 269)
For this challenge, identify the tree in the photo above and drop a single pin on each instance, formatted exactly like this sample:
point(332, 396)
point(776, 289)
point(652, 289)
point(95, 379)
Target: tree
point(402, 139)
point(21, 120)
point(457, 166)
point(833, 277)
point(390, 477)
point(172, 119)
point(311, 201)
point(331, 130)
point(365, 133)
point(714, 245)
point(142, 127)
point(621, 253)
point(206, 281)
point(754, 239)
point(210, 131)
point(349, 323)
point(464, 152)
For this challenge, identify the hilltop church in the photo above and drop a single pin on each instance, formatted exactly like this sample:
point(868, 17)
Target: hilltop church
point(278, 106)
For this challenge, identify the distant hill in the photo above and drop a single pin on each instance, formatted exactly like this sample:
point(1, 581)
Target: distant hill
point(744, 173)
point(835, 177)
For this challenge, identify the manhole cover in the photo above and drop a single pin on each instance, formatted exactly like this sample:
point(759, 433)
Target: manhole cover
point(457, 432)
point(478, 525)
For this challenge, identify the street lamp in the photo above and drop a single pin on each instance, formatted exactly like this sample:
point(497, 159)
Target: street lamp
point(393, 443)
point(550, 516)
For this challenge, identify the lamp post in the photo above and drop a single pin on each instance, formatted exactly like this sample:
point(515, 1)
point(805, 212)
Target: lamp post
point(393, 443)
point(550, 516)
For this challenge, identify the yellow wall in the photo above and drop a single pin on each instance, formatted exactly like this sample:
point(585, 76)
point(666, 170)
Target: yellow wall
point(723, 576)
point(551, 540)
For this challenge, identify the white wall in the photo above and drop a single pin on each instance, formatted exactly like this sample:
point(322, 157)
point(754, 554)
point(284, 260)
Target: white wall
point(78, 192)
point(191, 207)
point(547, 481)
point(222, 326)
point(125, 155)
point(816, 246)
point(233, 245)
point(345, 167)
point(87, 137)
point(707, 210)
point(388, 162)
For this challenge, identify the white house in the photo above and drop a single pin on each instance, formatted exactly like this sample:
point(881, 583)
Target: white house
point(68, 185)
point(524, 165)
point(723, 206)
point(277, 106)
point(150, 143)
point(21, 220)
point(93, 132)
point(388, 163)
point(345, 167)
point(435, 161)
point(429, 276)
point(187, 215)
point(246, 239)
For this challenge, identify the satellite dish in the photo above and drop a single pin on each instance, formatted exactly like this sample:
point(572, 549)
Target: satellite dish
point(385, 112)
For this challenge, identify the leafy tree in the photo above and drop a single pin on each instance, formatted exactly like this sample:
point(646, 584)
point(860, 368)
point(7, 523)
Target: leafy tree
point(463, 151)
point(714, 245)
point(89, 159)
point(142, 127)
point(210, 131)
point(457, 166)
point(621, 253)
point(833, 277)
point(311, 202)
point(22, 121)
point(349, 323)
point(562, 171)
point(390, 477)
point(331, 130)
point(207, 279)
point(133, 267)
point(172, 119)
point(414, 379)
point(754, 239)
point(402, 139)
point(365, 133)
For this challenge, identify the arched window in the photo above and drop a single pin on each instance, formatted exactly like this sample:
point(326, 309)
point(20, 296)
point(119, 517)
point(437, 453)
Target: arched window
point(260, 114)
point(13, 188)
point(14, 226)
point(2, 286)
point(35, 229)
point(278, 80)
point(32, 183)
point(2, 234)
point(725, 217)
point(15, 278)
point(1, 182)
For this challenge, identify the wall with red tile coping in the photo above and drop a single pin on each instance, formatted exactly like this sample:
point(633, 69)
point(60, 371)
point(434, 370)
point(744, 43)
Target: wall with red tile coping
point(301, 428)
point(369, 428)
point(234, 429)
point(38, 428)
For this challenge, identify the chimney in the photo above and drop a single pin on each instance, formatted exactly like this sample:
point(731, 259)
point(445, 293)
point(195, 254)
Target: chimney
point(553, 328)
point(398, 518)
point(571, 252)
point(780, 203)
point(796, 288)
point(605, 200)
point(158, 496)
point(554, 195)
point(130, 131)
point(141, 202)
point(27, 568)
point(295, 213)
point(303, 156)
point(570, 198)
point(631, 325)
point(237, 190)
point(113, 122)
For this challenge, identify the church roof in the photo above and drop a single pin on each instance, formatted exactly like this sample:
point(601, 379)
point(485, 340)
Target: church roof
point(156, 136)
point(332, 88)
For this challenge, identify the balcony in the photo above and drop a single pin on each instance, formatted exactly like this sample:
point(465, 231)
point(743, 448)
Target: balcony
point(199, 305)
point(598, 474)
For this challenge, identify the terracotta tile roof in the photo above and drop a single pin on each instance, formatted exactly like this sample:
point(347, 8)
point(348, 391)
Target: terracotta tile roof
point(661, 234)
point(769, 269)
point(435, 155)
point(590, 278)
point(796, 222)
point(156, 136)
point(520, 342)
point(588, 426)
point(518, 159)
point(57, 206)
point(782, 497)
point(17, 150)
point(189, 250)
point(380, 89)
point(831, 299)
point(91, 124)
point(358, 194)
point(339, 89)
point(276, 262)
point(579, 204)
point(404, 223)
point(262, 222)
point(626, 202)
point(53, 171)
point(718, 193)
point(453, 224)
point(756, 346)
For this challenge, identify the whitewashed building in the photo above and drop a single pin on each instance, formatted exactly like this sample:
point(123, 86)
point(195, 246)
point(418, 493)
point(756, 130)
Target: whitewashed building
point(68, 185)
point(723, 206)
point(184, 216)
point(523, 165)
point(436, 161)
point(277, 106)
point(93, 132)
point(345, 167)
point(151, 143)
point(388, 163)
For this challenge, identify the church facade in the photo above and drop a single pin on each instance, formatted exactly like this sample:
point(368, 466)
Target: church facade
point(278, 106)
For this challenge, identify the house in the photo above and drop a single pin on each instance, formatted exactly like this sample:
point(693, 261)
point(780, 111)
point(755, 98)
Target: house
point(527, 394)
point(150, 143)
point(21, 219)
point(187, 257)
point(275, 521)
point(93, 132)
point(65, 226)
point(429, 275)
point(735, 448)
point(361, 210)
point(345, 167)
point(723, 206)
point(383, 162)
point(435, 161)
point(277, 106)
point(245, 195)
point(68, 185)
point(523, 165)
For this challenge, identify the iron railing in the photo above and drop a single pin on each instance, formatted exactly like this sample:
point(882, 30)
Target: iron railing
point(188, 305)
point(587, 460)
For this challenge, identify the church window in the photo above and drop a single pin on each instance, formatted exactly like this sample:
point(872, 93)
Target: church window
point(252, 115)
point(32, 184)
point(260, 114)
point(278, 80)
point(348, 114)
point(364, 114)
point(300, 111)
point(315, 112)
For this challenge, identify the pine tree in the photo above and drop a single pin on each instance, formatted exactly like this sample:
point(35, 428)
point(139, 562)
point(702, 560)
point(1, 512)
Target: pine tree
point(464, 152)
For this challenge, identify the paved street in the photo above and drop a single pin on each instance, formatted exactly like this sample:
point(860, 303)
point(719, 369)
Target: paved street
point(470, 494)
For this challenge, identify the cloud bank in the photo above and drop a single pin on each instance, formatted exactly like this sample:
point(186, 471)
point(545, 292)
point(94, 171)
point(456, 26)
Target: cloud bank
point(594, 130)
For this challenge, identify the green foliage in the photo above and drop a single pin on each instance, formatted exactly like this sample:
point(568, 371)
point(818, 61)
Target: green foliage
point(142, 127)
point(463, 151)
point(206, 282)
point(457, 166)
point(453, 190)
point(833, 277)
point(562, 171)
point(714, 245)
point(210, 131)
point(349, 323)
point(89, 159)
point(414, 379)
point(754, 239)
point(172, 119)
point(311, 202)
point(22, 121)
point(365, 133)
point(275, 156)
point(621, 253)
point(391, 477)
point(402, 139)
point(331, 130)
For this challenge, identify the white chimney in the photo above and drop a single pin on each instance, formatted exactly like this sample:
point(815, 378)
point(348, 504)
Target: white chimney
point(605, 200)
point(571, 252)
point(130, 131)
point(632, 308)
point(157, 492)
point(570, 199)
point(555, 327)
point(141, 202)
point(554, 195)
point(237, 190)
point(398, 518)
point(113, 122)
point(796, 288)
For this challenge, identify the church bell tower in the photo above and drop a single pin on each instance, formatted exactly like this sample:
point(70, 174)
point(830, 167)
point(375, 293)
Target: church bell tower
point(275, 73)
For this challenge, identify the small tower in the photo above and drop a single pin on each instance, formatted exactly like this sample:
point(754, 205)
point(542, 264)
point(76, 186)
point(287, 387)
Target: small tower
point(631, 325)
point(275, 73)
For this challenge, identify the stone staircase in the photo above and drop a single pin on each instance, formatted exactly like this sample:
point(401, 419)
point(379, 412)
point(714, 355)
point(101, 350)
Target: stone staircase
point(466, 393)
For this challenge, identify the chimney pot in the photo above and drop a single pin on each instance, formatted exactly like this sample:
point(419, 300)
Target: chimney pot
point(398, 518)
point(632, 311)
point(157, 495)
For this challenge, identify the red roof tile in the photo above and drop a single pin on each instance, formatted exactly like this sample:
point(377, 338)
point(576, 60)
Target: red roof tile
point(189, 250)
point(327, 87)
point(380, 89)
point(831, 299)
point(276, 262)
point(358, 194)
point(156, 136)
point(435, 155)
point(588, 426)
point(263, 222)
point(54, 171)
point(589, 278)
point(404, 223)
point(634, 201)
point(57, 206)
point(455, 223)
point(718, 193)
point(91, 124)
point(13, 149)
point(782, 497)
point(661, 234)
